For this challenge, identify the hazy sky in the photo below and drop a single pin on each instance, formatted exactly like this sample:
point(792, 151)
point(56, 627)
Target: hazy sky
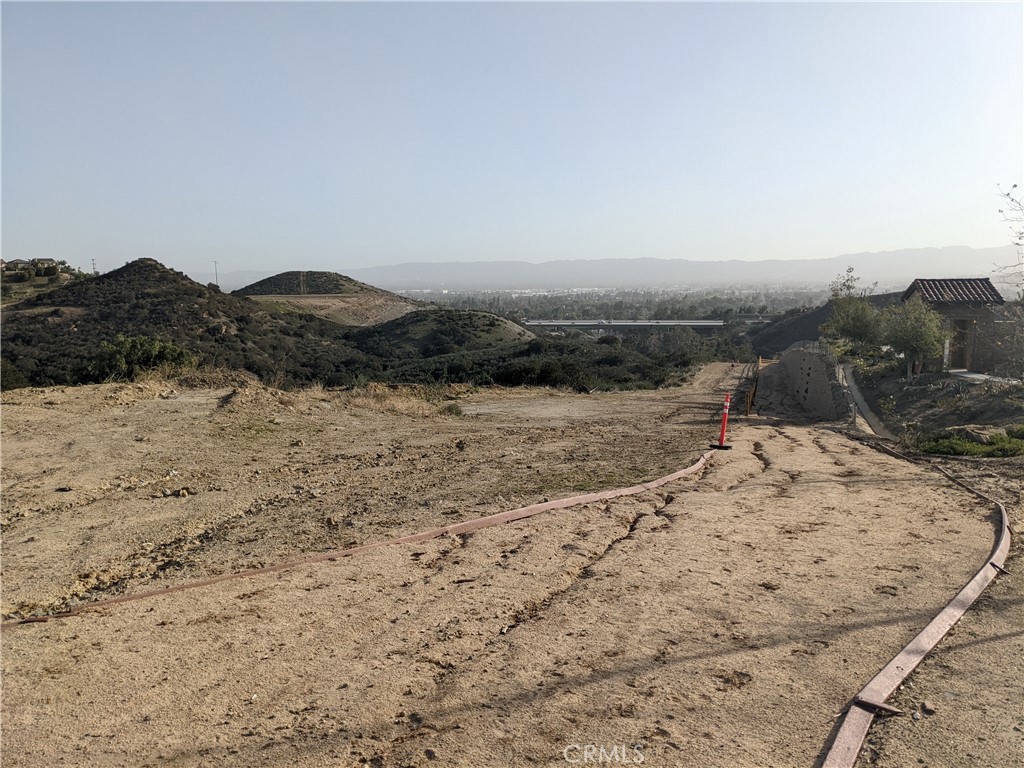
point(343, 135)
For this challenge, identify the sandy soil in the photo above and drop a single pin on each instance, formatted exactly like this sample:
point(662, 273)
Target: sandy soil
point(723, 620)
point(965, 703)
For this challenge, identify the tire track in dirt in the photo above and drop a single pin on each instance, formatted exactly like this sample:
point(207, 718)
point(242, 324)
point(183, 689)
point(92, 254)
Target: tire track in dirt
point(294, 473)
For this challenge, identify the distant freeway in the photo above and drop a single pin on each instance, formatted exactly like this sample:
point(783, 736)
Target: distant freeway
point(622, 323)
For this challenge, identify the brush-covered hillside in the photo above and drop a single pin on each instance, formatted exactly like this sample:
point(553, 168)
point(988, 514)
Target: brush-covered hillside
point(328, 295)
point(805, 325)
point(146, 313)
point(429, 332)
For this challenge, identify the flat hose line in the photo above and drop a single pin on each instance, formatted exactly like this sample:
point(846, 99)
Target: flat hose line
point(849, 739)
point(455, 529)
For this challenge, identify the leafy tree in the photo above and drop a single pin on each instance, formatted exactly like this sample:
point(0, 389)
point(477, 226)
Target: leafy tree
point(852, 315)
point(854, 318)
point(914, 330)
point(847, 286)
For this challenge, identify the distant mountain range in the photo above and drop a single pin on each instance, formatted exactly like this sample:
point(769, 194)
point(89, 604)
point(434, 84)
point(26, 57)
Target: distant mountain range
point(891, 269)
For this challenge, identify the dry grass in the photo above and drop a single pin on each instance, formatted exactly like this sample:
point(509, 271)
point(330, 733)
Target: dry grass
point(412, 400)
point(197, 377)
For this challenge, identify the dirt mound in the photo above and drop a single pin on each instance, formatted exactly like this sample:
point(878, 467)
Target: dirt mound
point(214, 378)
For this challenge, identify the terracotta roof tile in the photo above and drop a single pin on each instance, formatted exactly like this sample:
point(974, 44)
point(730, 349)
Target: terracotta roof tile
point(970, 290)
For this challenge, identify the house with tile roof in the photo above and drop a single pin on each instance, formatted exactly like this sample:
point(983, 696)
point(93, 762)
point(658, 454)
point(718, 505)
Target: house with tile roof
point(967, 308)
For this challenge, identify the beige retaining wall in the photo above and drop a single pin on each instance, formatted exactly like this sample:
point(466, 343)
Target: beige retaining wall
point(811, 377)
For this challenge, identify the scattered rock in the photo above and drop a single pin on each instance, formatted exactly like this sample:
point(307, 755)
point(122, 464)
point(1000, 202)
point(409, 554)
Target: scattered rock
point(927, 707)
point(976, 433)
point(298, 443)
point(771, 586)
point(734, 679)
point(64, 489)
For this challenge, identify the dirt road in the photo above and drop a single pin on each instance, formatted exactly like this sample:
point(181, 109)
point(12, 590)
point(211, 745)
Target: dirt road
point(720, 621)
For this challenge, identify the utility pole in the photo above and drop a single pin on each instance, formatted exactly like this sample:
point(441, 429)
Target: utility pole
point(94, 271)
point(216, 275)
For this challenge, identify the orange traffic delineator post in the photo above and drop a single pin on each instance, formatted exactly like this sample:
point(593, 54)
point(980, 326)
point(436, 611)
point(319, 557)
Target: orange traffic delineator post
point(725, 420)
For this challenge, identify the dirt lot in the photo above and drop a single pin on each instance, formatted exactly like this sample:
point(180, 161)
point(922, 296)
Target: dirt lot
point(723, 620)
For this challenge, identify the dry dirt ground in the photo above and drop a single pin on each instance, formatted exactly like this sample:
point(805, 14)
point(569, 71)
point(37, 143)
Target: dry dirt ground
point(722, 620)
point(969, 694)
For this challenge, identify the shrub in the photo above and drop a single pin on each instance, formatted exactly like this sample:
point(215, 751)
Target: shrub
point(10, 376)
point(451, 409)
point(854, 318)
point(128, 356)
point(958, 446)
